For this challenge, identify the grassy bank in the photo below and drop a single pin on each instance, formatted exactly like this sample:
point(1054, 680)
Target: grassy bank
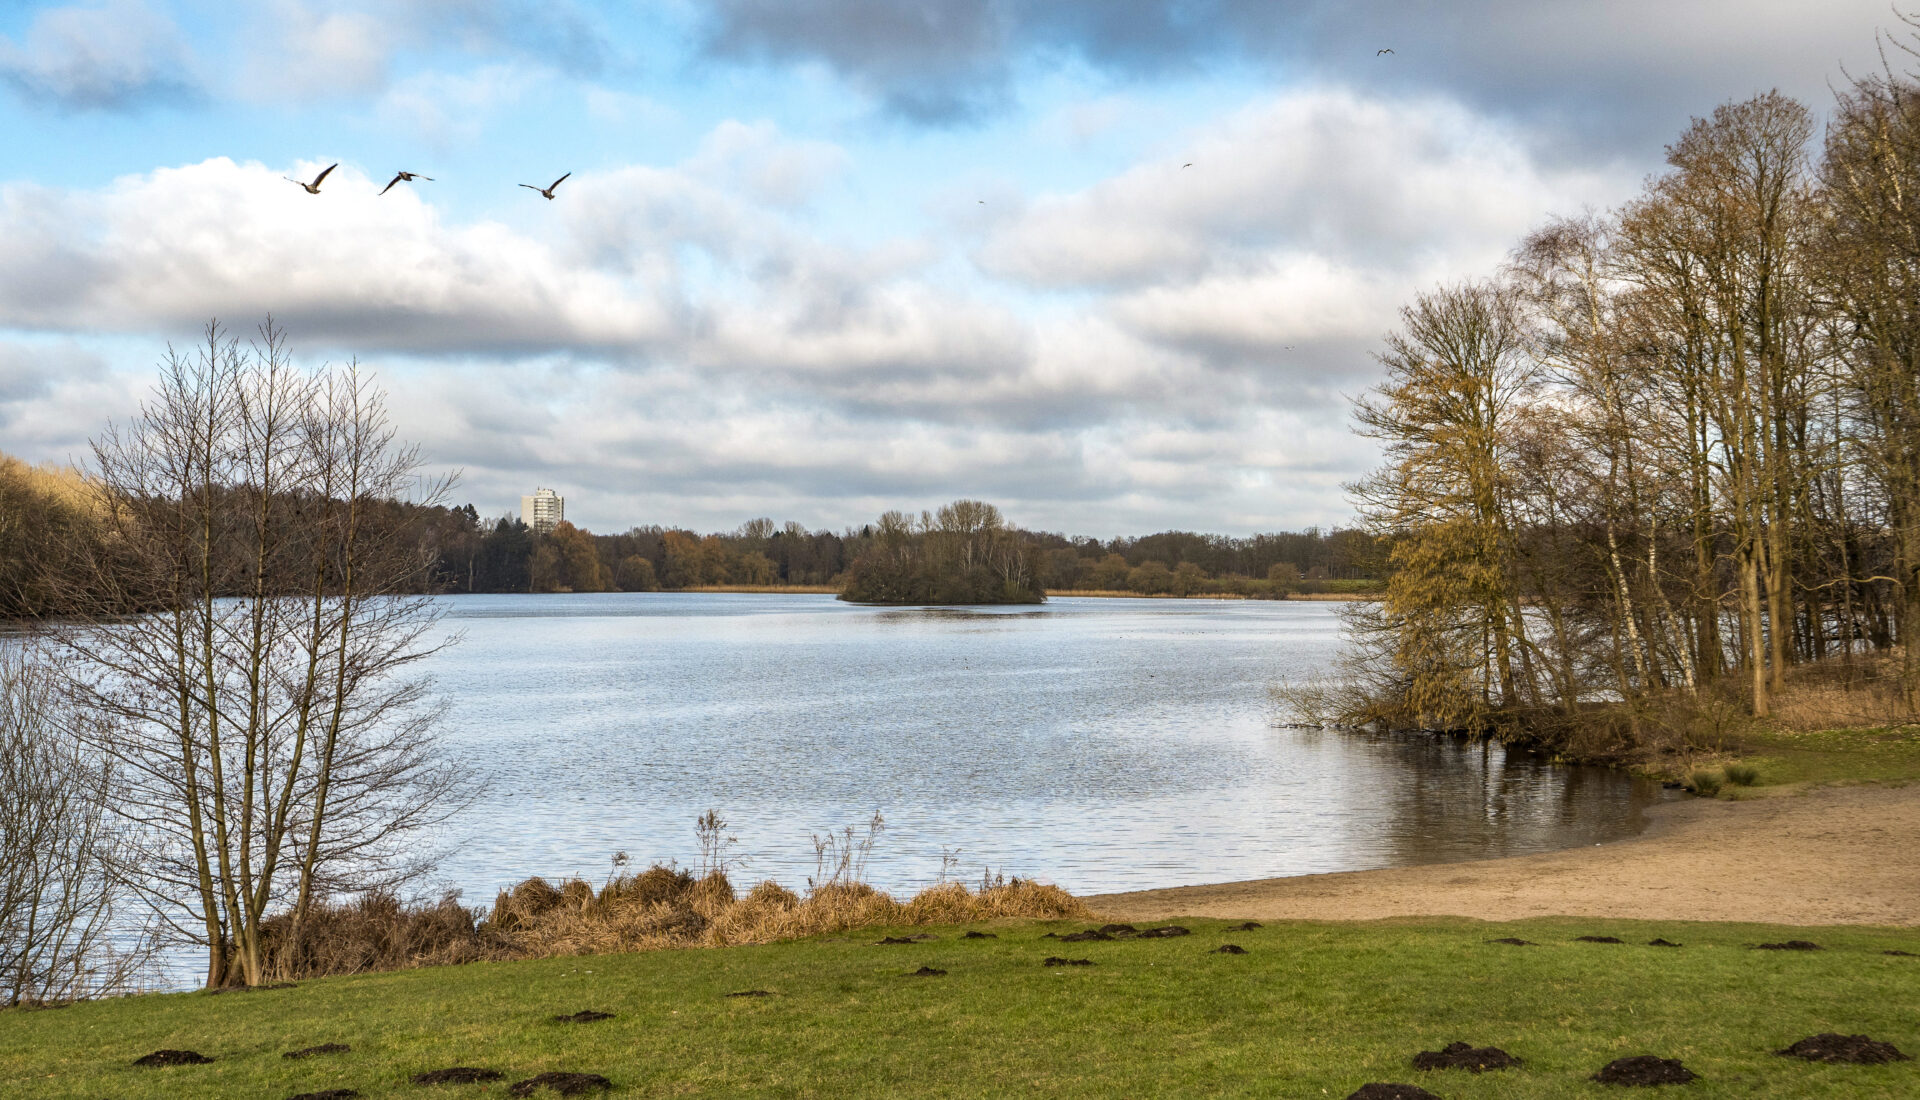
point(1786, 761)
point(1311, 1009)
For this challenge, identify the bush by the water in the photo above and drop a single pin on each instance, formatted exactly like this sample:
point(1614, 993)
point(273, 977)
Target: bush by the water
point(660, 907)
point(962, 554)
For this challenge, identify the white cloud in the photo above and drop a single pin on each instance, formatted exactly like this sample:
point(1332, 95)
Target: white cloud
point(118, 55)
point(682, 344)
point(448, 108)
point(758, 160)
point(1379, 182)
point(301, 51)
point(169, 249)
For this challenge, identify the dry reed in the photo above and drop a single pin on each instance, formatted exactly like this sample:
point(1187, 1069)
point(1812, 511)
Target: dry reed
point(661, 907)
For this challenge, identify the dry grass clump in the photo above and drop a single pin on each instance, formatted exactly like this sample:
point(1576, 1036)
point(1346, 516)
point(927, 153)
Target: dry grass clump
point(1843, 692)
point(659, 908)
point(378, 932)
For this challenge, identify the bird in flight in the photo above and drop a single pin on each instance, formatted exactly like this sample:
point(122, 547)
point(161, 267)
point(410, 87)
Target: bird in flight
point(548, 189)
point(314, 187)
point(407, 177)
point(1189, 164)
point(1377, 53)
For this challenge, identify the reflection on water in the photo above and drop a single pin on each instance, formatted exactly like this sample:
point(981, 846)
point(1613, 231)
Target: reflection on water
point(1100, 744)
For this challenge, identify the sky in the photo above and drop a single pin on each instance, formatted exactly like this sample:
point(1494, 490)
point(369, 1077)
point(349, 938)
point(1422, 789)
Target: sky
point(1116, 266)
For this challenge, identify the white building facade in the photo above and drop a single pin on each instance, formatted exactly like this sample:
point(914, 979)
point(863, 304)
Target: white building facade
point(543, 511)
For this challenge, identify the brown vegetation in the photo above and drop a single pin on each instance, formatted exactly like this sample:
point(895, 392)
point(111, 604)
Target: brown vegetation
point(1665, 459)
point(661, 907)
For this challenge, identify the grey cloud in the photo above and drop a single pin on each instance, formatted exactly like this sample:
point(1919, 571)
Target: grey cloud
point(1622, 73)
point(557, 32)
point(931, 61)
point(119, 56)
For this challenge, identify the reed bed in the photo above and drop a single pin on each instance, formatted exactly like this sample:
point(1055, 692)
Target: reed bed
point(659, 908)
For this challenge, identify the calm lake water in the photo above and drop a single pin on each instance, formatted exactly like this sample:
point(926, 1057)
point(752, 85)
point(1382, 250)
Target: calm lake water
point(1100, 744)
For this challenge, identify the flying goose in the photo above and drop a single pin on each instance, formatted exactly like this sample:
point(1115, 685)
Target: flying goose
point(314, 187)
point(1377, 53)
point(407, 177)
point(548, 189)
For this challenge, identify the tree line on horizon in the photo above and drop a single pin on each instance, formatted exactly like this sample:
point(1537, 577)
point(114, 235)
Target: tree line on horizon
point(46, 511)
point(1667, 458)
point(505, 555)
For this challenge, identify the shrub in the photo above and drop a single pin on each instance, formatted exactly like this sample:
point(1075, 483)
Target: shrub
point(1742, 775)
point(1703, 782)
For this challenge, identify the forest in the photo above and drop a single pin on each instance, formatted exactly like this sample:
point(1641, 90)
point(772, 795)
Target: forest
point(47, 520)
point(1663, 465)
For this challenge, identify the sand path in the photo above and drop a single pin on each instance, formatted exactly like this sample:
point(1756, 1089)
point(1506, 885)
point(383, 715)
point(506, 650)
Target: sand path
point(1846, 855)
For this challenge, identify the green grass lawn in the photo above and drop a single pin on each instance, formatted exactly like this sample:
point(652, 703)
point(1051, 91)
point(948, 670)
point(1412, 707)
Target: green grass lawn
point(1886, 754)
point(1311, 1010)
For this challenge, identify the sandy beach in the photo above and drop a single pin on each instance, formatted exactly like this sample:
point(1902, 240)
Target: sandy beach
point(1838, 855)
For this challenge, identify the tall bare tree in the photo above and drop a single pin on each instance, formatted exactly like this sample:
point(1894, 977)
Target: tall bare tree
point(58, 892)
point(1458, 375)
point(1870, 272)
point(267, 717)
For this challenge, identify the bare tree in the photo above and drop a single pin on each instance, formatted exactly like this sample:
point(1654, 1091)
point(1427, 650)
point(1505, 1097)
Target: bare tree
point(1870, 272)
point(57, 889)
point(273, 734)
point(1458, 375)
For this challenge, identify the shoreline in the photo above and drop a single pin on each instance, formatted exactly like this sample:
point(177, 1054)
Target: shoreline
point(1831, 855)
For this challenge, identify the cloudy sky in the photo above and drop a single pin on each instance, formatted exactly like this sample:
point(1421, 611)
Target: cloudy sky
point(1112, 264)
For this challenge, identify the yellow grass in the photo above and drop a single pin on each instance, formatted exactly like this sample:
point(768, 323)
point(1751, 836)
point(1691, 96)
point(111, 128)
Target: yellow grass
point(659, 908)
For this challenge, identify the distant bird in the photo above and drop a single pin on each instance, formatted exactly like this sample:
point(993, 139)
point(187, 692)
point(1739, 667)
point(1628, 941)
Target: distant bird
point(407, 177)
point(1377, 53)
point(548, 189)
point(1189, 164)
point(314, 187)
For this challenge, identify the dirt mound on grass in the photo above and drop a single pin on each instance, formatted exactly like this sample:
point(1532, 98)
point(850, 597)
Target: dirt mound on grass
point(1901, 954)
point(979, 936)
point(1645, 1069)
point(1055, 960)
point(1790, 945)
point(928, 972)
point(1661, 943)
point(1854, 1049)
point(1598, 939)
point(1245, 926)
point(566, 1084)
point(1381, 1090)
point(1088, 936)
point(752, 993)
point(1229, 949)
point(1165, 933)
point(457, 1075)
point(1118, 929)
point(1464, 1056)
point(327, 1094)
point(172, 1058)
point(1514, 941)
point(584, 1016)
point(323, 1048)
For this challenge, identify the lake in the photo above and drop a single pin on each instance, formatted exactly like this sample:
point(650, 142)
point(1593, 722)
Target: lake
point(1102, 744)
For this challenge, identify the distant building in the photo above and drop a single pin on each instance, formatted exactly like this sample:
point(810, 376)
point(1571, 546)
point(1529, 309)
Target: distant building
point(544, 510)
